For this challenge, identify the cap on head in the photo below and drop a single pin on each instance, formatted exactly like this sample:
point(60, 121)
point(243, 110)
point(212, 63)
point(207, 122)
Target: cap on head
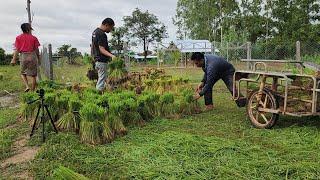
point(26, 27)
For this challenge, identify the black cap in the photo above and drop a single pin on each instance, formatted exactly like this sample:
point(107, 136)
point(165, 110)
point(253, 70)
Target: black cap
point(25, 27)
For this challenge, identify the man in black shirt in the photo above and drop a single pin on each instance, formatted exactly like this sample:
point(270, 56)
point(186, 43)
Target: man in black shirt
point(101, 51)
point(215, 68)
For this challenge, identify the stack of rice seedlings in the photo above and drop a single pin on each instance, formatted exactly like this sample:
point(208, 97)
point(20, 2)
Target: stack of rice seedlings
point(70, 121)
point(117, 72)
point(143, 109)
point(63, 102)
point(161, 86)
point(28, 110)
point(116, 109)
point(149, 85)
point(151, 100)
point(166, 103)
point(188, 105)
point(103, 100)
point(63, 173)
point(117, 125)
point(169, 84)
point(130, 115)
point(50, 100)
point(92, 116)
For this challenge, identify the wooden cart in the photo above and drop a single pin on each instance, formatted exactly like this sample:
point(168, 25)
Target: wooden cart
point(270, 94)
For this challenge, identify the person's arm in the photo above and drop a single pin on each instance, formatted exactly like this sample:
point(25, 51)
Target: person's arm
point(105, 52)
point(102, 41)
point(210, 77)
point(14, 57)
point(38, 55)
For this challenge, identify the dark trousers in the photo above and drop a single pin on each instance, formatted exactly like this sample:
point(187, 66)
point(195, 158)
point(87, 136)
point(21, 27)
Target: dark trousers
point(228, 81)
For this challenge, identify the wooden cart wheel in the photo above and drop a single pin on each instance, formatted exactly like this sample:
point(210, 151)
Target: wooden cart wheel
point(262, 120)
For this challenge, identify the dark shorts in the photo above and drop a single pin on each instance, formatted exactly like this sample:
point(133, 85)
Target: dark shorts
point(29, 64)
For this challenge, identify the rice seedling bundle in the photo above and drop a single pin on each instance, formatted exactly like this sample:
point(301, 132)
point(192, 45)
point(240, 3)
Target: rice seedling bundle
point(117, 71)
point(68, 122)
point(143, 109)
point(166, 105)
point(90, 125)
point(28, 110)
point(130, 115)
point(104, 100)
point(117, 125)
point(63, 173)
point(92, 112)
point(107, 131)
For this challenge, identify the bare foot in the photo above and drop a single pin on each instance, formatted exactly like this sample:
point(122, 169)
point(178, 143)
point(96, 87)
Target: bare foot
point(209, 107)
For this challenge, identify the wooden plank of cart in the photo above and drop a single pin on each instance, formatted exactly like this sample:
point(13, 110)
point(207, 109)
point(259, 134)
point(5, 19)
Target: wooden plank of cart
point(271, 93)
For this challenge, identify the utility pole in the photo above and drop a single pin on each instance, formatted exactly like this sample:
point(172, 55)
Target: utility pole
point(29, 11)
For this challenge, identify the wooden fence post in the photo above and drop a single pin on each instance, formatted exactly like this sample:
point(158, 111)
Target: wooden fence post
point(249, 55)
point(50, 68)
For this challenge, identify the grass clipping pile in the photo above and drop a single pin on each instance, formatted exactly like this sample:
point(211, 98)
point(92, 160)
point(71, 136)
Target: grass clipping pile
point(99, 119)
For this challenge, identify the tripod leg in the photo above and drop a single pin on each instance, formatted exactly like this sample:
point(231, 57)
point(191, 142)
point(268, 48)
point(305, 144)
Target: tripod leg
point(54, 126)
point(43, 127)
point(35, 121)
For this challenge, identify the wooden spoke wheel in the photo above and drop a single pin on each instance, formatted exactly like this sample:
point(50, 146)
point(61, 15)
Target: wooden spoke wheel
point(265, 100)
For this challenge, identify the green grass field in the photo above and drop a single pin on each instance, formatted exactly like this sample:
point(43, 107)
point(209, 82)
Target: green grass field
point(218, 144)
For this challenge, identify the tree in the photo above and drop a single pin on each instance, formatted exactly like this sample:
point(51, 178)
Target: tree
point(2, 54)
point(67, 51)
point(118, 38)
point(145, 27)
point(206, 19)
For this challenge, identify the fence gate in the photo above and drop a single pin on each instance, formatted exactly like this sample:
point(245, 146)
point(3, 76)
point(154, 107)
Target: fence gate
point(46, 67)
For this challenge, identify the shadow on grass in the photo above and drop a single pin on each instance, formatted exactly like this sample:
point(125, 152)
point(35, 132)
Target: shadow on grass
point(288, 121)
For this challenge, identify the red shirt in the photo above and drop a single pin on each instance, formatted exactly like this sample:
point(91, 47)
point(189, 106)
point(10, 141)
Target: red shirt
point(26, 43)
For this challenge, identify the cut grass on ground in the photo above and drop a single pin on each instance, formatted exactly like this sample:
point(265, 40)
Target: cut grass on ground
point(218, 144)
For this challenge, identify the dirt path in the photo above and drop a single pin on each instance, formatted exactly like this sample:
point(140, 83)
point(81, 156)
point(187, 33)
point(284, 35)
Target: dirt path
point(16, 166)
point(9, 101)
point(23, 155)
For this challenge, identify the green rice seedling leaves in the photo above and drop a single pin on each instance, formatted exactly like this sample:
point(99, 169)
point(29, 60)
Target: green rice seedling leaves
point(117, 125)
point(92, 112)
point(90, 131)
point(107, 131)
point(68, 122)
point(63, 173)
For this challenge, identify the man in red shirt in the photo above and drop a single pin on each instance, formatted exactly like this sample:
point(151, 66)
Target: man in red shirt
point(27, 45)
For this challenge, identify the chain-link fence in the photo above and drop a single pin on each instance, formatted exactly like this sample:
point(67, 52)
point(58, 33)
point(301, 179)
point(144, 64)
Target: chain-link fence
point(232, 51)
point(310, 51)
point(46, 67)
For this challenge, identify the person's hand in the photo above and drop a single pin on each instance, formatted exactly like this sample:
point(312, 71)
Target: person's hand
point(200, 86)
point(13, 62)
point(196, 96)
point(114, 58)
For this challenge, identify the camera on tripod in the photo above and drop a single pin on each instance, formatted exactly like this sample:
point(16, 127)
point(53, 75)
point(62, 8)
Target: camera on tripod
point(40, 92)
point(42, 109)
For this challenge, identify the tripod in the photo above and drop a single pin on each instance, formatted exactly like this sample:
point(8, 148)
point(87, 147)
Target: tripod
point(42, 107)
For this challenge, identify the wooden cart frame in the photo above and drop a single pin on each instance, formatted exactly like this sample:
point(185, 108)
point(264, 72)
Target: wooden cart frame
point(265, 100)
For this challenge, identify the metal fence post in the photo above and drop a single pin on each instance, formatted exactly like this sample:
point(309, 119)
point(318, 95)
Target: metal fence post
point(126, 55)
point(249, 54)
point(298, 56)
point(227, 51)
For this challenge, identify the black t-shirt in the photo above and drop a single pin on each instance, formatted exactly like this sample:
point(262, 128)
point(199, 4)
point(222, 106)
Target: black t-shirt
point(99, 38)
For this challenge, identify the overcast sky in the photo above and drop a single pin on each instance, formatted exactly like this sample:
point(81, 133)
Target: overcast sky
point(72, 21)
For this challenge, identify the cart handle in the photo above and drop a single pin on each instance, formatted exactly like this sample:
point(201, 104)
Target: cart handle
point(256, 65)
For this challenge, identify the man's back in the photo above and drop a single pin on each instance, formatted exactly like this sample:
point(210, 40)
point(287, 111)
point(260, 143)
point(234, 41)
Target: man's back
point(217, 64)
point(99, 38)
